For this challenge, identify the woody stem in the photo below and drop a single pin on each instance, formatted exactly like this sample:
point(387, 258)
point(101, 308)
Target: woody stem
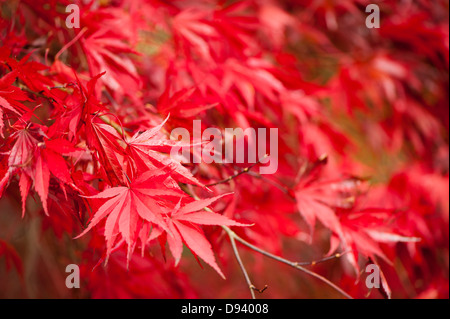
point(285, 261)
point(241, 264)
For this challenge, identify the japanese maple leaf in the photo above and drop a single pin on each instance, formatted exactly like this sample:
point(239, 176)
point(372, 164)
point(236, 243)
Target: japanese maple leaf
point(147, 149)
point(107, 53)
point(181, 104)
point(100, 137)
point(300, 105)
point(415, 31)
point(29, 73)
point(311, 206)
point(129, 207)
point(237, 27)
point(192, 30)
point(318, 199)
point(48, 163)
point(77, 108)
point(104, 139)
point(250, 77)
point(364, 230)
point(20, 159)
point(183, 228)
point(5, 105)
point(10, 98)
point(37, 162)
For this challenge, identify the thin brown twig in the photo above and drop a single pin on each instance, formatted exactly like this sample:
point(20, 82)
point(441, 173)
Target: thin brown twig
point(315, 262)
point(261, 291)
point(285, 261)
point(231, 235)
point(234, 237)
point(284, 189)
point(244, 171)
point(241, 265)
point(38, 94)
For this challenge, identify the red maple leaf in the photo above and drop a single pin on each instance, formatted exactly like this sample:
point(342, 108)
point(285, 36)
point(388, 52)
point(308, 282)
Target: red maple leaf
point(192, 30)
point(318, 199)
point(129, 207)
point(11, 97)
point(183, 228)
point(107, 53)
point(148, 148)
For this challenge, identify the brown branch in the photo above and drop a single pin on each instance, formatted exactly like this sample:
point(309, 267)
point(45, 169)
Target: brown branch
point(260, 290)
point(38, 94)
point(284, 189)
point(287, 262)
point(231, 235)
point(312, 263)
point(244, 171)
point(241, 264)
point(234, 237)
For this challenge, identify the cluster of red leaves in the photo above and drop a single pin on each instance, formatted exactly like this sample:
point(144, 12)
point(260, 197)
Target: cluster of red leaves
point(363, 138)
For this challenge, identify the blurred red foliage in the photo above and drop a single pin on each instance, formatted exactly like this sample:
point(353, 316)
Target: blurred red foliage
point(363, 149)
